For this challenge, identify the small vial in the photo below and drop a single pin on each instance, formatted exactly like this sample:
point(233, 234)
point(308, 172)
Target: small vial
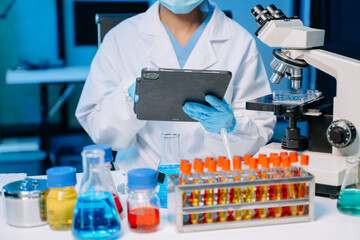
point(143, 202)
point(61, 199)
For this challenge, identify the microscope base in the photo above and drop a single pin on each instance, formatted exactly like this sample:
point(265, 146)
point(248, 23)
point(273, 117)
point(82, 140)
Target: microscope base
point(328, 169)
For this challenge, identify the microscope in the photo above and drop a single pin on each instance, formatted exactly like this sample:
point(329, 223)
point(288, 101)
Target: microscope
point(332, 131)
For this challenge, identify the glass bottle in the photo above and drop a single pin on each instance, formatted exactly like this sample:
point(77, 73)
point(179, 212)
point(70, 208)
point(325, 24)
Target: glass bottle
point(349, 198)
point(108, 160)
point(169, 163)
point(61, 200)
point(142, 202)
point(95, 214)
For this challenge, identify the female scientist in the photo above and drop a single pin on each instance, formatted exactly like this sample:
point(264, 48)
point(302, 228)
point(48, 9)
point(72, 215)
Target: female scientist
point(189, 34)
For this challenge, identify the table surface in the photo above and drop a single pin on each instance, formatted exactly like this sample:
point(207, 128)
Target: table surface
point(329, 224)
point(50, 75)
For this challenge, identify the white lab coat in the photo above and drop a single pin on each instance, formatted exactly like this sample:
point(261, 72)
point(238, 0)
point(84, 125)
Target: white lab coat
point(105, 109)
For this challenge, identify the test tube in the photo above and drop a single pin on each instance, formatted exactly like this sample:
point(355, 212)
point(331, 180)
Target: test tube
point(235, 193)
point(249, 192)
point(209, 195)
point(197, 178)
point(283, 154)
point(288, 189)
point(275, 190)
point(207, 160)
point(247, 158)
point(272, 155)
point(302, 191)
point(294, 159)
point(223, 193)
point(196, 161)
point(182, 162)
point(185, 178)
point(219, 163)
point(264, 190)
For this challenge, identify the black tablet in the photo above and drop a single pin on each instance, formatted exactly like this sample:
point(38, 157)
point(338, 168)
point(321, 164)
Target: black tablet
point(162, 92)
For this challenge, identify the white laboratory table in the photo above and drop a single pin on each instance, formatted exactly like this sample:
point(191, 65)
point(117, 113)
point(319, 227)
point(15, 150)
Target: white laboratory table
point(329, 224)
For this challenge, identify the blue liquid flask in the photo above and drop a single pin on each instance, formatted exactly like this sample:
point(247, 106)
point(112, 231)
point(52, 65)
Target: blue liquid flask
point(169, 163)
point(349, 197)
point(95, 214)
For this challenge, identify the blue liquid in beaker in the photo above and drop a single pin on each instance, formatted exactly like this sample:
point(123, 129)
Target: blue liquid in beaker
point(167, 169)
point(349, 201)
point(96, 217)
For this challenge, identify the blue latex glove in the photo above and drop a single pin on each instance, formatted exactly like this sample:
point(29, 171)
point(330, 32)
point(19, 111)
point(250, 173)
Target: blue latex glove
point(214, 118)
point(131, 91)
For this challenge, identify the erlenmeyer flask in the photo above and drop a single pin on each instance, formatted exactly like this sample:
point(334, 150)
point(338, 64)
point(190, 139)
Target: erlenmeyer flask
point(169, 163)
point(349, 198)
point(95, 214)
point(107, 168)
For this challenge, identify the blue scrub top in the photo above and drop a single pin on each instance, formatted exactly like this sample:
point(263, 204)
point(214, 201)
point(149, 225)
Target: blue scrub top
point(183, 53)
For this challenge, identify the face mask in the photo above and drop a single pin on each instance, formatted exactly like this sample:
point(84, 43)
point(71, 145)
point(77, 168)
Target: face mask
point(181, 6)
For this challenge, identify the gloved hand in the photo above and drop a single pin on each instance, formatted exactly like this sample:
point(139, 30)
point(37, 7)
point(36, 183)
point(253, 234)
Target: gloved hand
point(214, 118)
point(131, 91)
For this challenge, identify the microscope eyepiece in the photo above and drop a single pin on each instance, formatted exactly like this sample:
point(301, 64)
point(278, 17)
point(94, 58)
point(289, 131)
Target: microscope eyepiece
point(275, 12)
point(260, 14)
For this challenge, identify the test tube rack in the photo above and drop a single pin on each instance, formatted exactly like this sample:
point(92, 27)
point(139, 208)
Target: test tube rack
point(177, 211)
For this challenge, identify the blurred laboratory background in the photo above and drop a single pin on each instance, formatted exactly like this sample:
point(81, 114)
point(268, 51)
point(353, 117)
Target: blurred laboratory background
point(46, 48)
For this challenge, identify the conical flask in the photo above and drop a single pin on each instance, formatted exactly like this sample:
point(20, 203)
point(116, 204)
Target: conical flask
point(349, 198)
point(169, 163)
point(108, 158)
point(95, 214)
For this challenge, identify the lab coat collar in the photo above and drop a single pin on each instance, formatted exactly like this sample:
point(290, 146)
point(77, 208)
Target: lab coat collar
point(216, 30)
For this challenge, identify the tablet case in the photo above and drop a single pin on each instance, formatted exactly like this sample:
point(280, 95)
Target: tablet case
point(163, 92)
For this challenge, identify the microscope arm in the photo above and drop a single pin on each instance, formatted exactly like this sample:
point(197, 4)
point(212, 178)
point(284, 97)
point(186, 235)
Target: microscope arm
point(347, 74)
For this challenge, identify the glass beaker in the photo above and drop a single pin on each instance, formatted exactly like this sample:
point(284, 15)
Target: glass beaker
point(349, 197)
point(169, 163)
point(95, 214)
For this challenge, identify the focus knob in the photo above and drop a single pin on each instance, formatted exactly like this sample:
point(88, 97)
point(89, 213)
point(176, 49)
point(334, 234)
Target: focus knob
point(341, 133)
